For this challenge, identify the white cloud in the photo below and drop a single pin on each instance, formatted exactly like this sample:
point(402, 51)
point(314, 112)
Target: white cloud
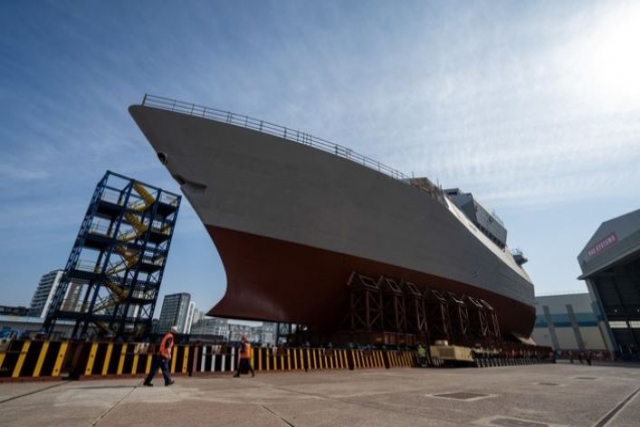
point(21, 173)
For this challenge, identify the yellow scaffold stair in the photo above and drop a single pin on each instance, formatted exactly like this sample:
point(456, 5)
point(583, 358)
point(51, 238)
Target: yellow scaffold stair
point(105, 305)
point(129, 255)
point(138, 228)
point(130, 259)
point(119, 295)
point(147, 198)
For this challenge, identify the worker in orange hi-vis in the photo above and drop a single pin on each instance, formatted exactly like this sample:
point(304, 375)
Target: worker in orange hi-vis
point(245, 358)
point(162, 358)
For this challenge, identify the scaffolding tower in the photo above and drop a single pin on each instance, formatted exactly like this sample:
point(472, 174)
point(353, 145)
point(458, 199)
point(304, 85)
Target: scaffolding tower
point(112, 278)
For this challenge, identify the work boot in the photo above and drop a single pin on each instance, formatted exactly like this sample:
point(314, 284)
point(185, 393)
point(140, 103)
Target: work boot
point(169, 383)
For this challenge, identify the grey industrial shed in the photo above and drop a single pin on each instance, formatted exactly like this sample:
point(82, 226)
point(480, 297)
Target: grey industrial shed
point(610, 264)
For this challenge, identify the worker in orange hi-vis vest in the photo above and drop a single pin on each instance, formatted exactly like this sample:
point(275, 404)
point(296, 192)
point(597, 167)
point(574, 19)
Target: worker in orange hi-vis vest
point(162, 358)
point(245, 358)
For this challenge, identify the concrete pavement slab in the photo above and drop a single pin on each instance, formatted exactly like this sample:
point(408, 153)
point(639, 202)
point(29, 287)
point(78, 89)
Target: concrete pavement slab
point(521, 396)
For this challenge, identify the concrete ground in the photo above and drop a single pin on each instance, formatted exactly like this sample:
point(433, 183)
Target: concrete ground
point(522, 396)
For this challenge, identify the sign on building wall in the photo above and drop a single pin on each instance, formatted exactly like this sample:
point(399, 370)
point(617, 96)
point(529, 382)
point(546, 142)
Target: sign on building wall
point(602, 245)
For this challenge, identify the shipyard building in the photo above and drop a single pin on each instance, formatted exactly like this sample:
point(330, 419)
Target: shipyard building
point(607, 317)
point(610, 264)
point(570, 322)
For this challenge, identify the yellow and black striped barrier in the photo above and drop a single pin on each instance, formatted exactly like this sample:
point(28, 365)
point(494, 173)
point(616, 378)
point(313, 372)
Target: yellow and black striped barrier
point(401, 359)
point(26, 359)
point(311, 359)
point(22, 360)
point(101, 359)
point(363, 359)
point(219, 359)
point(104, 359)
point(292, 359)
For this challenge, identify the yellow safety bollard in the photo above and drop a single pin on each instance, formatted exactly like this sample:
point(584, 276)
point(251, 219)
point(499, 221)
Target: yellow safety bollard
point(123, 354)
point(341, 359)
point(107, 359)
point(4, 345)
point(149, 360)
point(60, 358)
point(92, 358)
point(185, 359)
point(139, 348)
point(21, 359)
point(41, 357)
point(173, 359)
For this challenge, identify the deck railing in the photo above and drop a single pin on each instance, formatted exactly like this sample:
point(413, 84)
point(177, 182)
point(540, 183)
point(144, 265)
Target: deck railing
point(272, 129)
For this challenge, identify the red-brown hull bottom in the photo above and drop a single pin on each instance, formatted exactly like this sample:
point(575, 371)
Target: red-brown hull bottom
point(273, 280)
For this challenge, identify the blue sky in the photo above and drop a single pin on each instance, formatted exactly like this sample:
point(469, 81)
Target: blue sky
point(532, 106)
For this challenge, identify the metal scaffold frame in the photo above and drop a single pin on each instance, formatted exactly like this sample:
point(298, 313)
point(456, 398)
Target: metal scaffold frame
point(393, 313)
point(416, 314)
point(437, 308)
point(386, 311)
point(459, 315)
point(393, 306)
point(365, 304)
point(112, 278)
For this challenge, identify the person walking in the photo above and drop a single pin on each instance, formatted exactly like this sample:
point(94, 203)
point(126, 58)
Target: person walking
point(245, 358)
point(422, 355)
point(162, 358)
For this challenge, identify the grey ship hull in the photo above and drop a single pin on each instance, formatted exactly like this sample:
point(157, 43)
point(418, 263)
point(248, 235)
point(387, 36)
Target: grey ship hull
point(292, 222)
